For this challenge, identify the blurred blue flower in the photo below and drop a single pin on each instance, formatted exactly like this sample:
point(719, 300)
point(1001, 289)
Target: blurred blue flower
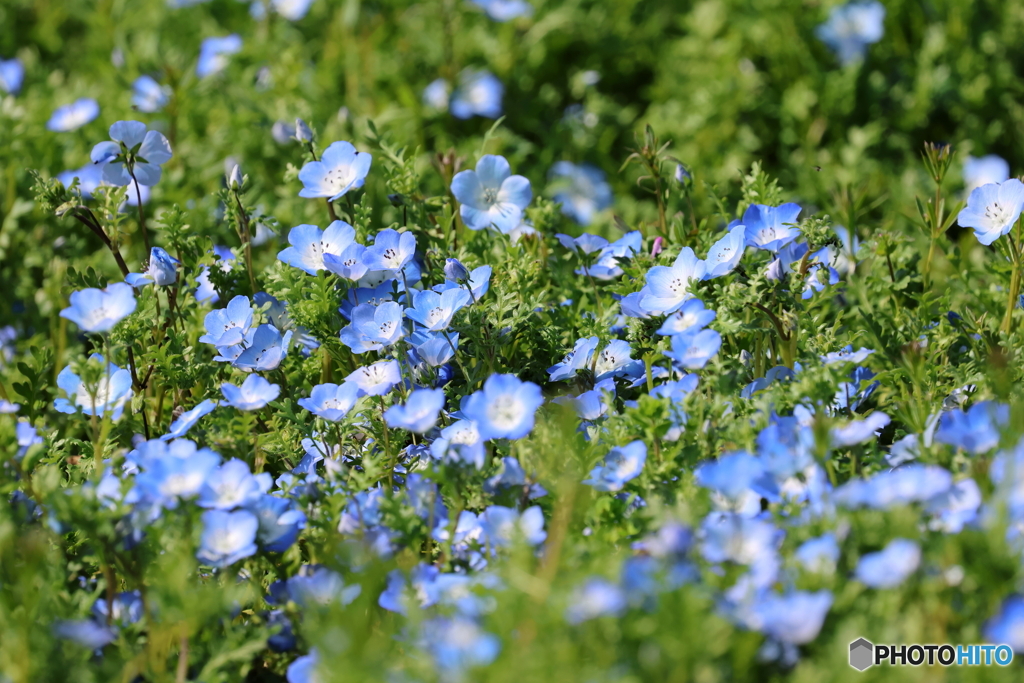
point(233, 485)
point(169, 473)
point(434, 349)
point(214, 52)
point(74, 115)
point(580, 189)
point(505, 10)
point(132, 151)
point(692, 350)
point(89, 633)
point(374, 327)
point(459, 442)
point(584, 244)
point(491, 196)
point(341, 168)
point(595, 598)
point(607, 267)
point(279, 522)
point(903, 485)
point(771, 227)
point(890, 566)
point(1007, 626)
point(724, 255)
point(847, 355)
point(377, 379)
point(149, 96)
point(227, 537)
point(504, 408)
point(434, 311)
point(819, 555)
point(126, 608)
point(311, 246)
point(956, 508)
point(503, 526)
point(976, 431)
point(691, 317)
point(109, 394)
point(979, 171)
point(304, 669)
point(859, 431)
point(420, 412)
point(457, 643)
point(391, 250)
point(436, 94)
point(98, 310)
point(993, 209)
point(11, 74)
point(851, 28)
point(162, 270)
point(668, 288)
point(254, 393)
point(292, 10)
point(795, 617)
point(479, 94)
point(332, 402)
point(314, 586)
point(622, 464)
point(188, 419)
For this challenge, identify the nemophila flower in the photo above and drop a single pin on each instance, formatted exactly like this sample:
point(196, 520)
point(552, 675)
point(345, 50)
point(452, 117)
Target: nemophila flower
point(332, 402)
point(621, 465)
point(266, 350)
point(577, 359)
point(512, 475)
point(455, 271)
point(315, 586)
point(1007, 626)
point(74, 115)
point(374, 327)
point(504, 408)
point(310, 246)
point(132, 151)
point(690, 317)
point(771, 227)
point(859, 431)
point(847, 355)
point(819, 274)
point(254, 393)
point(993, 209)
point(890, 566)
point(505, 10)
point(228, 326)
point(434, 350)
point(901, 486)
point(279, 522)
point(606, 267)
point(232, 485)
point(26, 436)
point(6, 407)
point(227, 537)
point(214, 53)
point(819, 555)
point(727, 536)
point(188, 419)
point(161, 270)
point(668, 288)
point(957, 507)
point(979, 171)
point(436, 94)
point(977, 430)
point(734, 474)
point(724, 255)
point(503, 526)
point(11, 75)
point(292, 10)
point(391, 250)
point(851, 28)
point(108, 394)
point(584, 244)
point(89, 633)
point(479, 94)
point(459, 442)
point(795, 617)
point(126, 608)
point(596, 598)
point(149, 96)
point(420, 412)
point(849, 396)
point(692, 350)
point(490, 196)
point(377, 379)
point(434, 311)
point(341, 168)
point(98, 310)
point(580, 189)
point(304, 669)
point(786, 447)
point(170, 473)
point(478, 285)
point(458, 643)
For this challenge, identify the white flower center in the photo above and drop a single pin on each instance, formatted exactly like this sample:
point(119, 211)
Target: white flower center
point(505, 412)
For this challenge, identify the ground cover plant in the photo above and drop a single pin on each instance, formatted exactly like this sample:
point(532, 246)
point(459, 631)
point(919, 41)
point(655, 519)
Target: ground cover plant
point(505, 340)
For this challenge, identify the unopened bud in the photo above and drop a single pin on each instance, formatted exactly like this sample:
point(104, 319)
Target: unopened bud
point(235, 178)
point(302, 131)
point(455, 271)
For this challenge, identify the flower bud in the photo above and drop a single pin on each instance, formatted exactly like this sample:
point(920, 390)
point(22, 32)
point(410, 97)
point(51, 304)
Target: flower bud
point(235, 178)
point(455, 271)
point(302, 131)
point(682, 175)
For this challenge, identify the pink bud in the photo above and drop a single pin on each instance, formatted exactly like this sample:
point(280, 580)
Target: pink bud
point(656, 249)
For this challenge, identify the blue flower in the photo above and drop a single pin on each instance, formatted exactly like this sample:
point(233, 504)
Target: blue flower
point(581, 190)
point(434, 311)
point(74, 115)
point(1007, 627)
point(584, 244)
point(188, 419)
point(847, 355)
point(126, 608)
point(170, 473)
point(435, 95)
point(254, 393)
point(133, 151)
point(795, 617)
point(341, 168)
point(502, 526)
point(109, 394)
point(851, 28)
point(434, 350)
point(504, 408)
point(214, 52)
point(304, 669)
point(459, 442)
point(332, 401)
point(727, 536)
point(891, 566)
point(315, 586)
point(977, 430)
point(266, 350)
point(149, 96)
point(669, 288)
point(577, 359)
point(734, 474)
point(859, 431)
point(310, 247)
point(89, 633)
point(957, 507)
point(491, 196)
point(771, 227)
point(279, 522)
point(819, 555)
point(901, 486)
point(455, 271)
point(377, 379)
point(420, 412)
point(694, 349)
point(227, 537)
point(606, 267)
point(596, 598)
point(979, 171)
point(457, 643)
point(391, 250)
point(725, 254)
point(622, 464)
point(292, 10)
point(162, 270)
point(228, 326)
point(11, 74)
point(232, 485)
point(373, 327)
point(478, 284)
point(993, 209)
point(98, 310)
point(691, 317)
point(505, 10)
point(479, 94)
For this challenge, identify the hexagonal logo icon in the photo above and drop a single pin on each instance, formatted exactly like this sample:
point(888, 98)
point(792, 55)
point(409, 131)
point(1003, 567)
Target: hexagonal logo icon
point(862, 654)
